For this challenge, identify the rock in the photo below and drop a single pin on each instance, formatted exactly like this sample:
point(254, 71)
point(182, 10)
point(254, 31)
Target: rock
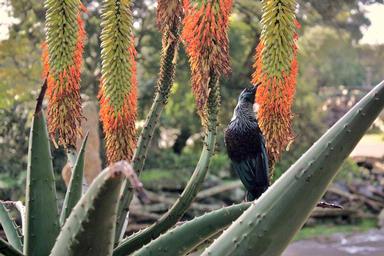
point(92, 161)
point(380, 219)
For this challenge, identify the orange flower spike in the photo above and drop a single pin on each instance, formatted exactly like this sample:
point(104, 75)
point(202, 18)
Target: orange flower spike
point(45, 59)
point(276, 70)
point(62, 58)
point(168, 13)
point(118, 87)
point(206, 40)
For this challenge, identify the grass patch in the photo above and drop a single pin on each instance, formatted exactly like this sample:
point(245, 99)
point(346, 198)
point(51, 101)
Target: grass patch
point(159, 179)
point(330, 229)
point(154, 175)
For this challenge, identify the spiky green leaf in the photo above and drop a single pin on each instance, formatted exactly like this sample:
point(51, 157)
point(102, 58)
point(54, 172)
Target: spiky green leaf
point(42, 219)
point(184, 238)
point(74, 190)
point(90, 228)
point(10, 228)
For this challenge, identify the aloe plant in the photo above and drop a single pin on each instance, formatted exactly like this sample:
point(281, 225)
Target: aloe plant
point(92, 223)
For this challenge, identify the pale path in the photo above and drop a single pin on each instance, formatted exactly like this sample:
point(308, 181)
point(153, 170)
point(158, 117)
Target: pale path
point(370, 243)
point(366, 149)
point(370, 146)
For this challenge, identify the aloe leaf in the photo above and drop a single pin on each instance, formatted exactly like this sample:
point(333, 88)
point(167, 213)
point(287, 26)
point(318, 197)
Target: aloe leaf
point(74, 190)
point(268, 226)
point(7, 250)
point(90, 228)
point(42, 220)
point(184, 238)
point(10, 228)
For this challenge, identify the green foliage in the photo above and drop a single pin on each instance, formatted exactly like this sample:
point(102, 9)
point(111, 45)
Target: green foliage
point(325, 230)
point(371, 57)
point(160, 179)
point(181, 105)
point(324, 50)
point(14, 127)
point(19, 70)
point(346, 15)
point(348, 171)
point(219, 163)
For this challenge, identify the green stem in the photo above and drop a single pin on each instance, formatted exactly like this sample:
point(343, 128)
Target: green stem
point(164, 85)
point(171, 217)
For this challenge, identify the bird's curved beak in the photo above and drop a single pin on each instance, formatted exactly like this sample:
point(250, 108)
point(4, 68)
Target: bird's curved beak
point(253, 89)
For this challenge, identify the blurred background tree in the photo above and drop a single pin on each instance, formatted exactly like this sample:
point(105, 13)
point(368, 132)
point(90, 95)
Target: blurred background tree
point(329, 56)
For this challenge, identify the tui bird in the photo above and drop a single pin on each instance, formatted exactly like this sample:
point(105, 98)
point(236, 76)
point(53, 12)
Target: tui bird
point(246, 146)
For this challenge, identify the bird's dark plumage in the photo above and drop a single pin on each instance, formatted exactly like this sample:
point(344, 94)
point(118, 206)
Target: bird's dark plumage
point(246, 146)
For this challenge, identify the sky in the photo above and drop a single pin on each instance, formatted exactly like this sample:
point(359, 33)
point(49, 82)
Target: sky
point(374, 34)
point(5, 20)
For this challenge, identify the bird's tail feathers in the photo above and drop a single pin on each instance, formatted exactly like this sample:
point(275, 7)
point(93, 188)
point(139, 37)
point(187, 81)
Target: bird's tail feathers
point(255, 193)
